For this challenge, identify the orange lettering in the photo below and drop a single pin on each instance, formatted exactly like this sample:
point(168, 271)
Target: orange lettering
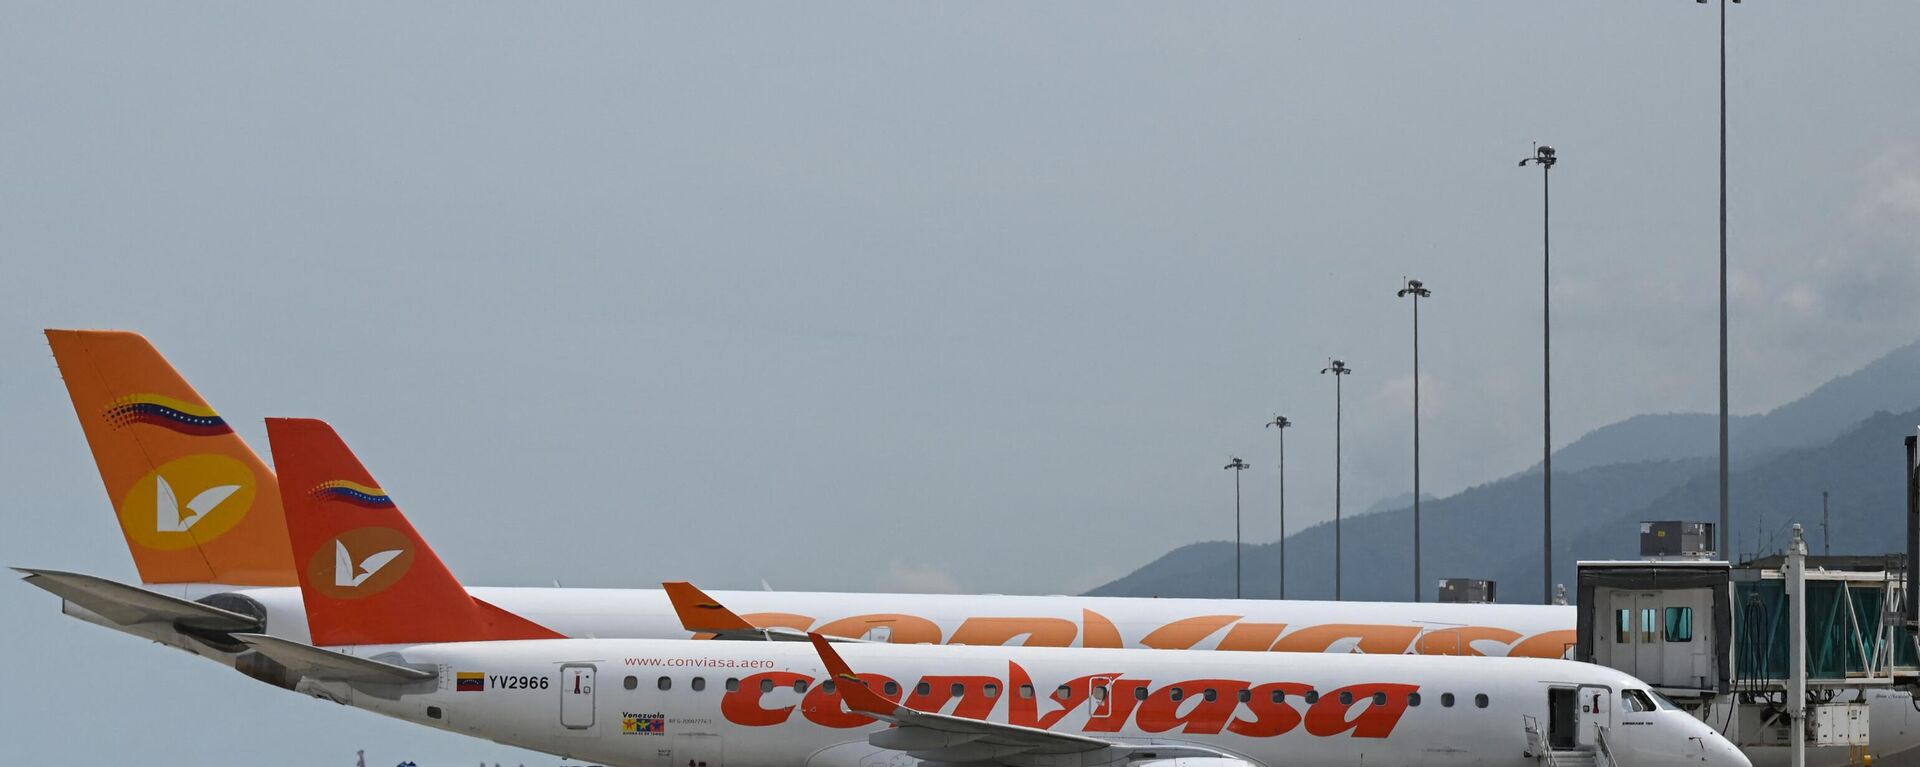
point(824, 706)
point(1550, 644)
point(1160, 712)
point(902, 629)
point(742, 706)
point(1459, 641)
point(1121, 702)
point(1183, 634)
point(974, 703)
point(1328, 716)
point(1255, 637)
point(1374, 639)
point(1099, 631)
point(1270, 717)
point(1040, 632)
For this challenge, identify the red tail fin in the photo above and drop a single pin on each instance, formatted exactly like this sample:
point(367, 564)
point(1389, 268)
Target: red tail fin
point(366, 576)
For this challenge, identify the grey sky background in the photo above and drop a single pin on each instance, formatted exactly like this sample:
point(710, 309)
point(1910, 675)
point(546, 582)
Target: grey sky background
point(917, 297)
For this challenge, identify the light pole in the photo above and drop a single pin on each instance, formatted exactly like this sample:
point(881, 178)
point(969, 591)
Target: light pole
point(1418, 290)
point(1338, 368)
point(1281, 422)
point(1237, 466)
point(1723, 273)
point(1543, 156)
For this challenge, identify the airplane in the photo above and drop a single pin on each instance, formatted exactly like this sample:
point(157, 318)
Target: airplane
point(207, 586)
point(406, 640)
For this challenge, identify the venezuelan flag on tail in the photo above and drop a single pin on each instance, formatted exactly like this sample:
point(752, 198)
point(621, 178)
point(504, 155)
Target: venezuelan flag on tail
point(367, 577)
point(195, 503)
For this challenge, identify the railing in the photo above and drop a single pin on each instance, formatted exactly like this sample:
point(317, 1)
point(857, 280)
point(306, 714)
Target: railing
point(1605, 751)
point(1537, 745)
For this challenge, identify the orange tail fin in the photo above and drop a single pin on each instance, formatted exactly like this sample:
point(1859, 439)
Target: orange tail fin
point(366, 576)
point(195, 503)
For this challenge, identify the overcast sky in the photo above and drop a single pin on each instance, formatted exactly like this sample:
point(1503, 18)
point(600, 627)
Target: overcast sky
point(924, 297)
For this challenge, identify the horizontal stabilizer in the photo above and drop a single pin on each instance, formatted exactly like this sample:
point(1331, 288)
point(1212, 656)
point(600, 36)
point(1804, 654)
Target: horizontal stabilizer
point(327, 665)
point(702, 614)
point(131, 605)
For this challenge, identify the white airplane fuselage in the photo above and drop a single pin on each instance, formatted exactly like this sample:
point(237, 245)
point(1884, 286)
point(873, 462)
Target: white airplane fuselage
point(665, 703)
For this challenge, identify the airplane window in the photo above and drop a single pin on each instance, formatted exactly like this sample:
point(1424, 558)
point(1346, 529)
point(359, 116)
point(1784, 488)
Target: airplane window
point(631, 683)
point(827, 686)
point(1026, 691)
point(1480, 701)
point(1679, 624)
point(1623, 626)
point(1209, 694)
point(958, 689)
point(1178, 693)
point(892, 688)
point(1663, 702)
point(699, 683)
point(1063, 692)
point(993, 690)
point(1312, 696)
point(1245, 695)
point(1139, 693)
point(766, 685)
point(1446, 700)
point(1099, 692)
point(732, 684)
point(1346, 698)
point(1279, 696)
point(1413, 699)
point(923, 689)
point(1634, 701)
point(1379, 699)
point(665, 683)
point(800, 685)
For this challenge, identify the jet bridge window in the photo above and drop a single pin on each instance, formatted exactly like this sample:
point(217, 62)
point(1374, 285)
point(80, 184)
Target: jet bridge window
point(1623, 626)
point(665, 683)
point(1634, 701)
point(1649, 625)
point(1679, 624)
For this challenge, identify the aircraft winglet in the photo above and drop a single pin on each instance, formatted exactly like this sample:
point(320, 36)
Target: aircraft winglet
point(853, 689)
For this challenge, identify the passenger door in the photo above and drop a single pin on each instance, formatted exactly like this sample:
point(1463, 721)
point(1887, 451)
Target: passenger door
point(576, 696)
point(1595, 710)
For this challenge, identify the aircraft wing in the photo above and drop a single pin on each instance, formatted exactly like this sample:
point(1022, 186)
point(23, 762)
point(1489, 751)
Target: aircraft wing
point(131, 605)
point(937, 737)
point(703, 614)
point(327, 665)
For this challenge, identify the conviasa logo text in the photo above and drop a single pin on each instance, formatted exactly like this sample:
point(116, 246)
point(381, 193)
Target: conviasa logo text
point(360, 563)
point(1100, 703)
point(167, 413)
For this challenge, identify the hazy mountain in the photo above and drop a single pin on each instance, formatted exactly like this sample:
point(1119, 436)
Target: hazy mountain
point(1886, 384)
point(1832, 439)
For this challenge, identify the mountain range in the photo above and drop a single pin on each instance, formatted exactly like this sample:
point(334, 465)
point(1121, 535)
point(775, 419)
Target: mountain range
point(1843, 438)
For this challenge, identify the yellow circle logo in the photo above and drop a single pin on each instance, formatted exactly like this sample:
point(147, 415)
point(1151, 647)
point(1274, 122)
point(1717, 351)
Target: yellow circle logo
point(187, 502)
point(360, 563)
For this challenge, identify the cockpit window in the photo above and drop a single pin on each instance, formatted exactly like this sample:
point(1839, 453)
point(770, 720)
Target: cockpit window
point(1635, 701)
point(1663, 703)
